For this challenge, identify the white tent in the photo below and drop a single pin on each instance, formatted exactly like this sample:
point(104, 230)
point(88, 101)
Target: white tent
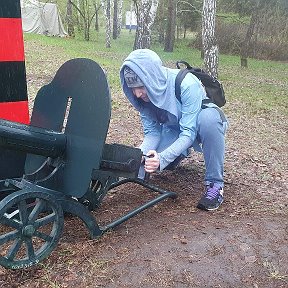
point(41, 18)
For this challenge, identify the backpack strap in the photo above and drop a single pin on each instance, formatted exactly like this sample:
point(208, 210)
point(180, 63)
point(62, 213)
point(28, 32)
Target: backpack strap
point(184, 63)
point(179, 78)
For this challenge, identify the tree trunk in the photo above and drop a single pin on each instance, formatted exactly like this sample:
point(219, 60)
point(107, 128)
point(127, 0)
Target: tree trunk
point(69, 15)
point(145, 11)
point(107, 12)
point(130, 20)
point(86, 13)
point(82, 8)
point(209, 41)
point(86, 33)
point(96, 16)
point(142, 38)
point(171, 26)
point(115, 20)
point(161, 20)
point(246, 44)
point(78, 17)
point(119, 22)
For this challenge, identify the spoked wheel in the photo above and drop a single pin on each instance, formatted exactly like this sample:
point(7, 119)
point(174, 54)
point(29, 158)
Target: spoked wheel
point(31, 224)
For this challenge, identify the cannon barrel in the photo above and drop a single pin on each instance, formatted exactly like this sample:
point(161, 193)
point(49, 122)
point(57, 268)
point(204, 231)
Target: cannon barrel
point(30, 139)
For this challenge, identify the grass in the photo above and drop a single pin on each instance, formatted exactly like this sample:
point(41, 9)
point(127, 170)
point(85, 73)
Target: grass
point(262, 85)
point(273, 271)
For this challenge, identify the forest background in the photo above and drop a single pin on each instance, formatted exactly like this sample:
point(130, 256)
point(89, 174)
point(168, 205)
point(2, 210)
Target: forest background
point(259, 26)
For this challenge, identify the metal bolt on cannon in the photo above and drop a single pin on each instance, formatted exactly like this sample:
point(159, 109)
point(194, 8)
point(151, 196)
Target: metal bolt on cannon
point(59, 162)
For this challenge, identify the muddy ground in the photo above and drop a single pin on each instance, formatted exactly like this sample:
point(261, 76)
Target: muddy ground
point(173, 244)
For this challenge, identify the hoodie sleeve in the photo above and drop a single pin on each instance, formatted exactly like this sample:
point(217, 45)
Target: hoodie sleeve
point(152, 133)
point(192, 93)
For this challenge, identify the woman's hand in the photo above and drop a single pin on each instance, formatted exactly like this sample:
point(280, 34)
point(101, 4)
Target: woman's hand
point(152, 161)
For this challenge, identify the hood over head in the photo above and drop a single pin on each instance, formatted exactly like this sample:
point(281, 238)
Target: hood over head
point(157, 79)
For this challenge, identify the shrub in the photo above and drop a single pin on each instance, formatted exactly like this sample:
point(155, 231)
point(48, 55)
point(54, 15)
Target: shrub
point(267, 44)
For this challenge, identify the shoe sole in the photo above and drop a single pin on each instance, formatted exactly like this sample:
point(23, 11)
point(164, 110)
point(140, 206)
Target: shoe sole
point(199, 206)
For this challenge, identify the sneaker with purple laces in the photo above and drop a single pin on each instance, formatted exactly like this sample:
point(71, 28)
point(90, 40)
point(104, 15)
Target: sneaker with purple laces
point(212, 199)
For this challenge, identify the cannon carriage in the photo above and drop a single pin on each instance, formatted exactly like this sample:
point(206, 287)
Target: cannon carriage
point(69, 167)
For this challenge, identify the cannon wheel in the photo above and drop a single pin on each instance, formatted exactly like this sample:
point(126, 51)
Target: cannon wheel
point(31, 224)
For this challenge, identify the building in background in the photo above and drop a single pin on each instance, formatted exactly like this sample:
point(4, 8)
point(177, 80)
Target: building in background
point(131, 20)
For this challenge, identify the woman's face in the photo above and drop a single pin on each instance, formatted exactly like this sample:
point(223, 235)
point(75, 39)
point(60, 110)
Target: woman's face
point(141, 93)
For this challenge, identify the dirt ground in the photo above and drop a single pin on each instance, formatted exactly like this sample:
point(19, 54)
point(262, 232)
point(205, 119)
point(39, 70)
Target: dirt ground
point(173, 244)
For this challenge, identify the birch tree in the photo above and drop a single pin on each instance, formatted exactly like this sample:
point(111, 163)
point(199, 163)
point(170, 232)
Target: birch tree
point(209, 41)
point(107, 12)
point(119, 23)
point(145, 12)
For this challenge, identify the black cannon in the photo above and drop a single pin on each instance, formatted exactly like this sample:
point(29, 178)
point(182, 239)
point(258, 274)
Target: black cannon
point(68, 168)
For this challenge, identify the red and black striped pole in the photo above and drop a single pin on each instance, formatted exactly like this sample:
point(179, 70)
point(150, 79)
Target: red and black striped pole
point(13, 87)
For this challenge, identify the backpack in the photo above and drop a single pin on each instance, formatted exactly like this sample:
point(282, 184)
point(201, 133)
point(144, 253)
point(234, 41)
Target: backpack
point(213, 87)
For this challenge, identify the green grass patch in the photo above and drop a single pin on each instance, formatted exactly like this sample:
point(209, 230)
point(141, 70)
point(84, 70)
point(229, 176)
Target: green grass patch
point(262, 86)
